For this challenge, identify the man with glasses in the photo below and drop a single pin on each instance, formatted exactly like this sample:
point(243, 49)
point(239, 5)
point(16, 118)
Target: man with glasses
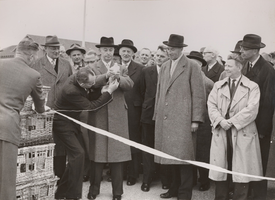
point(213, 69)
point(259, 70)
point(54, 72)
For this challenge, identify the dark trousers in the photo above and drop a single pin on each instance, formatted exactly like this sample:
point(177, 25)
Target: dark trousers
point(133, 165)
point(148, 139)
point(182, 181)
point(222, 190)
point(258, 189)
point(116, 175)
point(165, 174)
point(203, 176)
point(70, 185)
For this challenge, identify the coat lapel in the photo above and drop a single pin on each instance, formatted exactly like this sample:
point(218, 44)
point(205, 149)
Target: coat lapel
point(132, 68)
point(178, 71)
point(225, 89)
point(154, 74)
point(213, 71)
point(241, 91)
point(48, 66)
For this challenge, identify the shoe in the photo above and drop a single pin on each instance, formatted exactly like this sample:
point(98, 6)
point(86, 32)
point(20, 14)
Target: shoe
point(167, 195)
point(204, 187)
point(165, 187)
point(86, 178)
point(145, 187)
point(91, 196)
point(117, 197)
point(131, 181)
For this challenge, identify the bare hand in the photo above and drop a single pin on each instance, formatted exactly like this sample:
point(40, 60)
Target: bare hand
point(225, 124)
point(113, 86)
point(194, 127)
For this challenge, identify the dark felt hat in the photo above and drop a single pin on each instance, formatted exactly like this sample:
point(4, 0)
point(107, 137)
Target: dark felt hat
point(52, 40)
point(197, 55)
point(106, 42)
point(237, 47)
point(75, 46)
point(127, 43)
point(175, 41)
point(252, 41)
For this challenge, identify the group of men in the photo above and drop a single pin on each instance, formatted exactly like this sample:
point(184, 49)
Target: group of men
point(191, 107)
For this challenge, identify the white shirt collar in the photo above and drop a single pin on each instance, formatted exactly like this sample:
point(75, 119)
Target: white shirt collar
point(50, 59)
point(158, 68)
point(210, 66)
point(126, 64)
point(108, 65)
point(253, 63)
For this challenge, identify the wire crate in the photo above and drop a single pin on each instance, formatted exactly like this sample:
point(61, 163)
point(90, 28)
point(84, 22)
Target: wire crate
point(34, 162)
point(36, 128)
point(29, 101)
point(42, 189)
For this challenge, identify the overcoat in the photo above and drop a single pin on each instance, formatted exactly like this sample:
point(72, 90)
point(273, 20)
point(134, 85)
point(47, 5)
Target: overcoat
point(50, 78)
point(17, 82)
point(180, 100)
point(245, 141)
point(215, 72)
point(134, 101)
point(270, 172)
point(204, 133)
point(112, 118)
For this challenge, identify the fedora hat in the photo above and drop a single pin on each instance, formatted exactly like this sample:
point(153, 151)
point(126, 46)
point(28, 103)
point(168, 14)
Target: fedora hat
point(198, 56)
point(75, 46)
point(175, 41)
point(51, 40)
point(106, 42)
point(27, 43)
point(252, 41)
point(127, 43)
point(237, 47)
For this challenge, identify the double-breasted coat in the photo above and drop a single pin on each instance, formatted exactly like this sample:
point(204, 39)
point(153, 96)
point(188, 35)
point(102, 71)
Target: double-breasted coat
point(180, 100)
point(215, 72)
point(245, 141)
point(133, 100)
point(112, 118)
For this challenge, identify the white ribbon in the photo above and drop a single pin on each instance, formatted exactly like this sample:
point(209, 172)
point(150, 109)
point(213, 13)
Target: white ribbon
point(159, 153)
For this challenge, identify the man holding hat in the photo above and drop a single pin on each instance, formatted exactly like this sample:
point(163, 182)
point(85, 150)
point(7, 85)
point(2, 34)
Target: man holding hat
point(204, 133)
point(17, 81)
point(133, 100)
point(76, 53)
point(113, 118)
point(257, 69)
point(54, 72)
point(179, 108)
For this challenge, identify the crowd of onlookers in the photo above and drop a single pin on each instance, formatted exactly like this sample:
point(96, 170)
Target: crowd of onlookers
point(194, 106)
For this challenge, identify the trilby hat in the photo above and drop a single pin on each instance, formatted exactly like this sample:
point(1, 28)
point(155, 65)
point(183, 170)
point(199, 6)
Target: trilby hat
point(75, 46)
point(106, 42)
point(51, 40)
point(127, 43)
point(27, 43)
point(175, 41)
point(198, 56)
point(252, 41)
point(237, 47)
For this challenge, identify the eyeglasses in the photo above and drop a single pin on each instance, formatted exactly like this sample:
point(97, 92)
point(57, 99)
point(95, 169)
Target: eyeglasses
point(206, 52)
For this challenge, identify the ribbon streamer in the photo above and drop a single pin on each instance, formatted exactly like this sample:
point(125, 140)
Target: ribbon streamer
point(159, 153)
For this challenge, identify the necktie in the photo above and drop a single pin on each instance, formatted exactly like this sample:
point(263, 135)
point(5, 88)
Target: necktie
point(249, 67)
point(233, 88)
point(54, 65)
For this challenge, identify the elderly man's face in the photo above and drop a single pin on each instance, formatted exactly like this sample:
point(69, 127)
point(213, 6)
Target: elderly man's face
point(174, 52)
point(232, 69)
point(126, 54)
point(144, 56)
point(52, 52)
point(160, 57)
point(76, 56)
point(208, 55)
point(107, 53)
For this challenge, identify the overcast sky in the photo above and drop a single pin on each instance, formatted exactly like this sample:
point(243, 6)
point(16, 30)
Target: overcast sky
point(219, 23)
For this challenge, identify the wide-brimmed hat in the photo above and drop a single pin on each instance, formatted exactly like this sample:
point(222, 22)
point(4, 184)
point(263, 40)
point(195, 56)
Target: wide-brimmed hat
point(197, 55)
point(237, 47)
point(51, 40)
point(252, 41)
point(175, 41)
point(75, 46)
point(127, 43)
point(106, 42)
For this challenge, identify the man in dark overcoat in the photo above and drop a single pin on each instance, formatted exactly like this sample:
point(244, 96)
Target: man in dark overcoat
point(133, 101)
point(259, 70)
point(179, 108)
point(17, 81)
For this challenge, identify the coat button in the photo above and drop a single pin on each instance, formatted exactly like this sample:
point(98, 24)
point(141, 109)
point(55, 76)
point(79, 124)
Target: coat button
point(165, 117)
point(166, 104)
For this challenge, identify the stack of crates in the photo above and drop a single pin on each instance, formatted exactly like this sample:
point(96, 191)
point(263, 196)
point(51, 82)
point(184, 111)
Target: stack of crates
point(35, 177)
